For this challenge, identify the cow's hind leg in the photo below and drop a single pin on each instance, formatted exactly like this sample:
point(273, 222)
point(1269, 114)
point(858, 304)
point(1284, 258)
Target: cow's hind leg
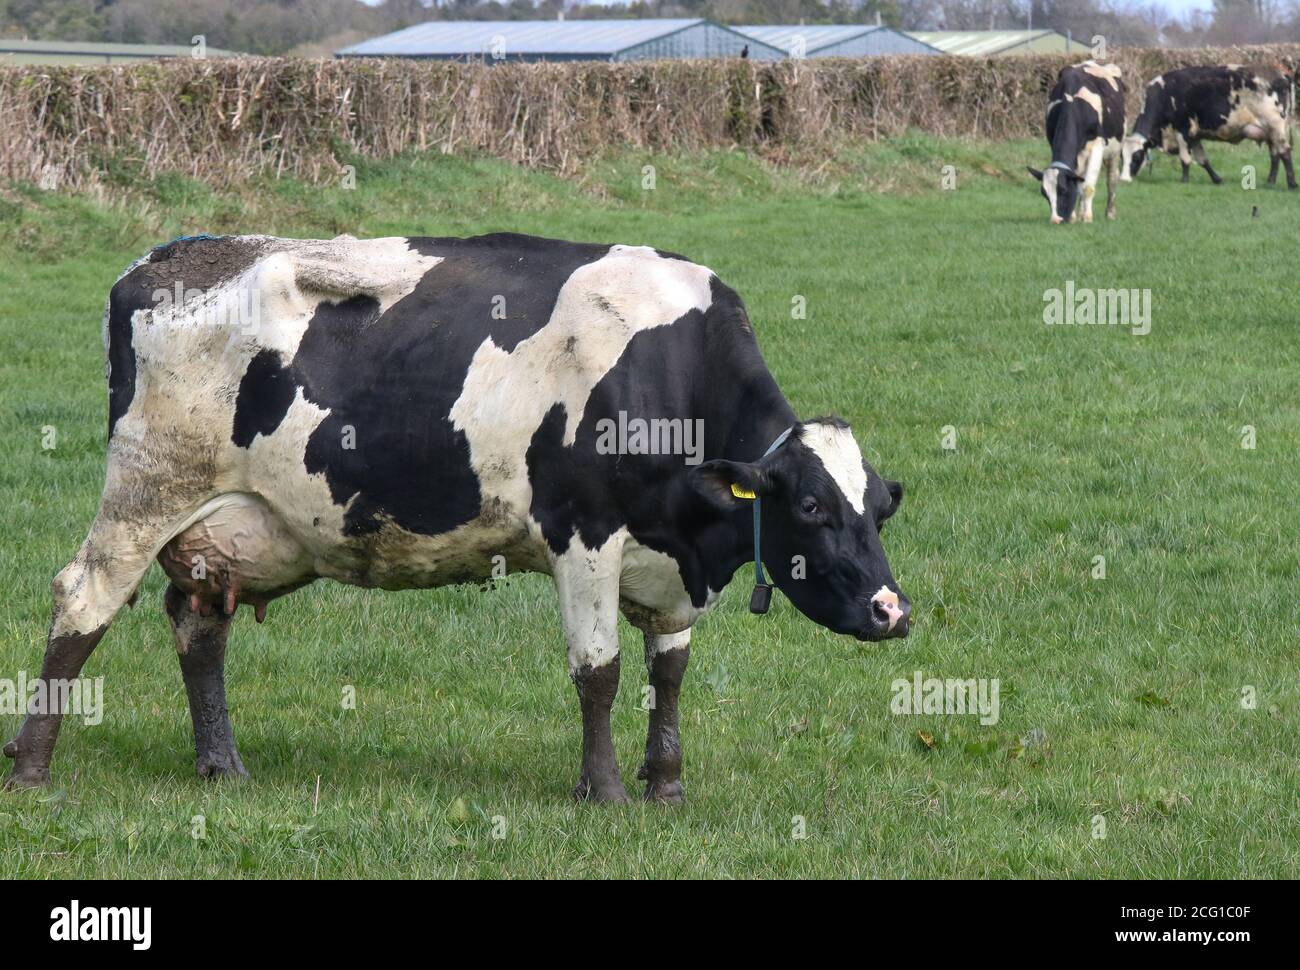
point(201, 646)
point(666, 658)
point(87, 593)
point(1280, 150)
point(587, 581)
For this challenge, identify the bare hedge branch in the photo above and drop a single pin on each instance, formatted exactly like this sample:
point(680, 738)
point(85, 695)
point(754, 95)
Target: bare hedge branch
point(225, 121)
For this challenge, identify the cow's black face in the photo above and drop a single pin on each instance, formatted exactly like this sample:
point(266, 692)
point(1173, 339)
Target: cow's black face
point(1137, 161)
point(1133, 156)
point(822, 511)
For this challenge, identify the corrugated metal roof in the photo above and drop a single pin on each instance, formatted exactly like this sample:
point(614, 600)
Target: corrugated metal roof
point(472, 37)
point(786, 36)
point(983, 43)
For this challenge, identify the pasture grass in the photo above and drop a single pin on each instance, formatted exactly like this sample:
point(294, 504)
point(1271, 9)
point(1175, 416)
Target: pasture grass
point(1120, 697)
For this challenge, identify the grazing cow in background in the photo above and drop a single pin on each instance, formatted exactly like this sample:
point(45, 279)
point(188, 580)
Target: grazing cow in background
point(409, 413)
point(1085, 127)
point(1194, 104)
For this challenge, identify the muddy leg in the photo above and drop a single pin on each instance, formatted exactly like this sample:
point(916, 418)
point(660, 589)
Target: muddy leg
point(666, 657)
point(34, 747)
point(201, 646)
point(87, 594)
point(1273, 159)
point(597, 688)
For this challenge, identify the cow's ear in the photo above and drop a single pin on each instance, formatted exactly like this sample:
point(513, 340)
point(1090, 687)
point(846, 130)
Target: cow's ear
point(1038, 176)
point(727, 485)
point(895, 490)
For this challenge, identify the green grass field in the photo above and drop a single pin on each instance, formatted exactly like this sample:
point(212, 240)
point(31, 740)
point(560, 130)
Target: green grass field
point(924, 311)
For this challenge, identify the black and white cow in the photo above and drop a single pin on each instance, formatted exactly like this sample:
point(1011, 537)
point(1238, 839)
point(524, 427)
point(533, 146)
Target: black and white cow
point(1194, 104)
point(408, 413)
point(1085, 127)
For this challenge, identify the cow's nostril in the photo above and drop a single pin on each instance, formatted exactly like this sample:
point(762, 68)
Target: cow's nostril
point(879, 613)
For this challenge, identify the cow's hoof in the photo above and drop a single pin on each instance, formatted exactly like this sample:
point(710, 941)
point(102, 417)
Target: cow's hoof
point(1110, 216)
point(665, 793)
point(214, 768)
point(607, 792)
point(20, 779)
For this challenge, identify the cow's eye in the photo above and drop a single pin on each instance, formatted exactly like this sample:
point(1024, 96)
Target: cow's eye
point(808, 506)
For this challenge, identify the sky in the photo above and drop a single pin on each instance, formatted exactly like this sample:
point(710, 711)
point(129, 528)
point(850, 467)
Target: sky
point(1181, 7)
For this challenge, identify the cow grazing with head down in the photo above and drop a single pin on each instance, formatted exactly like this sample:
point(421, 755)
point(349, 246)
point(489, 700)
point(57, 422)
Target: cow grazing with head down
point(410, 413)
point(1183, 108)
point(1085, 127)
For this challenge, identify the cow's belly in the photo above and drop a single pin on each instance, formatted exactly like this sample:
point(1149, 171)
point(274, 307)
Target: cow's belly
point(243, 543)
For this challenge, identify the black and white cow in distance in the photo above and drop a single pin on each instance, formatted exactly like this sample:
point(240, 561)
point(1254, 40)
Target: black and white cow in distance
point(1229, 103)
point(1085, 127)
point(403, 412)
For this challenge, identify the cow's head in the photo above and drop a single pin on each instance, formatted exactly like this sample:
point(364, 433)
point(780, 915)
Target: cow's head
point(1060, 187)
point(1134, 154)
point(821, 514)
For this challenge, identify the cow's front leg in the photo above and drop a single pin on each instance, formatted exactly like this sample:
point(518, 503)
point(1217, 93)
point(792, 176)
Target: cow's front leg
point(201, 646)
point(1184, 157)
point(1203, 160)
point(666, 658)
point(1090, 173)
point(587, 582)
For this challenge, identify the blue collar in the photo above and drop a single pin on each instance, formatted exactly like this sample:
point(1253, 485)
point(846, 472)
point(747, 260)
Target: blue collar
point(761, 598)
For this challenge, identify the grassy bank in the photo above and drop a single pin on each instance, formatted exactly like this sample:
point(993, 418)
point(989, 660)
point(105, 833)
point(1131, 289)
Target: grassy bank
point(1120, 697)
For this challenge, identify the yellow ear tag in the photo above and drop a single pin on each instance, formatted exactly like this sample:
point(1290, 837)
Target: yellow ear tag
point(739, 492)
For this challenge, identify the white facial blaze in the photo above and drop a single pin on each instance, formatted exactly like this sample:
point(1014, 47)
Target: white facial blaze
point(1050, 177)
point(839, 452)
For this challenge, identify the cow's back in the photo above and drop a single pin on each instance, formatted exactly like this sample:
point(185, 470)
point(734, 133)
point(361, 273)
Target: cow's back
point(1098, 86)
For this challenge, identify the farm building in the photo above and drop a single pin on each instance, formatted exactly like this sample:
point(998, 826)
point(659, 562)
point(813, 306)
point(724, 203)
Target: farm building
point(836, 40)
point(995, 43)
point(75, 52)
point(564, 40)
